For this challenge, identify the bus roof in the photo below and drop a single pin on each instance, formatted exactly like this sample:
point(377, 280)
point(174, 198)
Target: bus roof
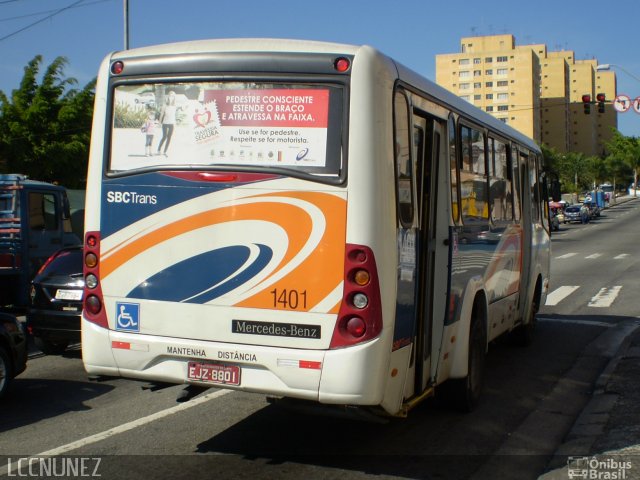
point(311, 46)
point(240, 45)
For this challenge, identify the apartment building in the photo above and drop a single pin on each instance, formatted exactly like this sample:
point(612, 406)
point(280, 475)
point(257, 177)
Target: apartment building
point(533, 90)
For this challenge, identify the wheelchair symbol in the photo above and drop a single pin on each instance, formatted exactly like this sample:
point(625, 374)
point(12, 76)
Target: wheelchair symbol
point(128, 317)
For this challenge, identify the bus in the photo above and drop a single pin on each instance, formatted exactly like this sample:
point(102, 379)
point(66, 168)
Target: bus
point(310, 221)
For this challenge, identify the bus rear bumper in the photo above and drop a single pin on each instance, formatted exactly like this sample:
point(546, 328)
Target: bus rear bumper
point(343, 376)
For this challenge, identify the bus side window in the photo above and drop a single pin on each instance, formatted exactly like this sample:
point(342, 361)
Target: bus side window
point(500, 194)
point(473, 177)
point(453, 160)
point(404, 166)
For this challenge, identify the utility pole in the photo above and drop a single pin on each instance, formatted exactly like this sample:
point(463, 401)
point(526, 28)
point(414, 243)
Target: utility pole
point(126, 24)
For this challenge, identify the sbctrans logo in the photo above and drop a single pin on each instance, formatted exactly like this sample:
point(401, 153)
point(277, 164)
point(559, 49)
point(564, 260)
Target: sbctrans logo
point(598, 468)
point(128, 317)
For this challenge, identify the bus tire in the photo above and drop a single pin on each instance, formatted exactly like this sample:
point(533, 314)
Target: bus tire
point(6, 371)
point(522, 335)
point(466, 392)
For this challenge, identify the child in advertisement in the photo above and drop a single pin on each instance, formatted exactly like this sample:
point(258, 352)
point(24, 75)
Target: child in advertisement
point(149, 130)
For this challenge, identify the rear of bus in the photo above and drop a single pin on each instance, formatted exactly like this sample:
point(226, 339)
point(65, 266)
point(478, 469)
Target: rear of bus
point(216, 247)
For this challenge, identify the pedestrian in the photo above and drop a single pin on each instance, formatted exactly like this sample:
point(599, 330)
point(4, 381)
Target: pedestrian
point(148, 129)
point(584, 214)
point(168, 121)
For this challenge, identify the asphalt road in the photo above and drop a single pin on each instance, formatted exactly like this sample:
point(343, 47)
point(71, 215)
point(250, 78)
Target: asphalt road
point(532, 396)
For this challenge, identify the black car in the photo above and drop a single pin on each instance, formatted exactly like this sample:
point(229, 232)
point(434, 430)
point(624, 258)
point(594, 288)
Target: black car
point(53, 318)
point(13, 350)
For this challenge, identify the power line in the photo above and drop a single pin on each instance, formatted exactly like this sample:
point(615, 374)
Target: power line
point(41, 20)
point(36, 14)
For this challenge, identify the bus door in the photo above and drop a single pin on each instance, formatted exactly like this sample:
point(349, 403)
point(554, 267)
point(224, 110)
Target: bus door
point(527, 219)
point(432, 251)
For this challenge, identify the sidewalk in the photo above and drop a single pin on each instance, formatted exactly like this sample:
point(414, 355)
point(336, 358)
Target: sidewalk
point(604, 442)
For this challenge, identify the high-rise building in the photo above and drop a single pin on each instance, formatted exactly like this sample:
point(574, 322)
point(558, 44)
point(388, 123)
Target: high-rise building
point(535, 91)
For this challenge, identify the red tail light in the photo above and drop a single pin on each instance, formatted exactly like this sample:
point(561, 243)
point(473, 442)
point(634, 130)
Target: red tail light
point(361, 287)
point(93, 303)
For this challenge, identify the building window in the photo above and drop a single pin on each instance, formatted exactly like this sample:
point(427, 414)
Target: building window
point(490, 108)
point(503, 119)
point(503, 83)
point(488, 72)
point(477, 85)
point(489, 96)
point(501, 59)
point(464, 61)
point(503, 96)
point(477, 73)
point(463, 74)
point(476, 61)
point(488, 84)
point(488, 59)
point(464, 97)
point(502, 71)
point(464, 86)
point(503, 108)
point(477, 97)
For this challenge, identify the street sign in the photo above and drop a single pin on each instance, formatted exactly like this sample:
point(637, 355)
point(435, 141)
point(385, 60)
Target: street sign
point(622, 103)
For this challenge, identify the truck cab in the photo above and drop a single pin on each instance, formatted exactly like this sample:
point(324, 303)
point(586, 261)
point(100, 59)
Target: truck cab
point(35, 222)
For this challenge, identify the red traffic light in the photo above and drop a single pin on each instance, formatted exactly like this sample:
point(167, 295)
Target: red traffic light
point(586, 98)
point(600, 97)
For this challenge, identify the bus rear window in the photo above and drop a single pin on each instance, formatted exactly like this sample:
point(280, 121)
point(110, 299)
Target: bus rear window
point(227, 124)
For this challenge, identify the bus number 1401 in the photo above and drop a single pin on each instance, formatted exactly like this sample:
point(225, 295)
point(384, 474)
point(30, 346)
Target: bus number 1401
point(289, 299)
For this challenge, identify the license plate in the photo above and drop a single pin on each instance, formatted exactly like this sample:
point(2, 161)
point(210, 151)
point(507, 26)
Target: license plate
point(214, 373)
point(62, 294)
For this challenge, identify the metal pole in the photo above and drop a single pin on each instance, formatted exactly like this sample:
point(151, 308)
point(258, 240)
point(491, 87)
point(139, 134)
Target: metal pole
point(126, 24)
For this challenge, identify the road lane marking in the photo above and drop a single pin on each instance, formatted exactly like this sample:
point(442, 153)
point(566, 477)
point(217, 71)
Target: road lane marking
point(622, 256)
point(559, 294)
point(123, 428)
point(605, 297)
point(592, 256)
point(566, 255)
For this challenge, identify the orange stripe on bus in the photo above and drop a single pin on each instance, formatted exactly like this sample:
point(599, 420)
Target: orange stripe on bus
point(295, 221)
point(322, 271)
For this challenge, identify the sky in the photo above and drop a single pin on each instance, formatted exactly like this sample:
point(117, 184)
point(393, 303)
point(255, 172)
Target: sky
point(411, 31)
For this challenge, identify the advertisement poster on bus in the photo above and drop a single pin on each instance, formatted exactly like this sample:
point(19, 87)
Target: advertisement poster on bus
point(210, 124)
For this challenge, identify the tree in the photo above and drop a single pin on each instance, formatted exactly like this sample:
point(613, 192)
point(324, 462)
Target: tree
point(45, 127)
point(626, 150)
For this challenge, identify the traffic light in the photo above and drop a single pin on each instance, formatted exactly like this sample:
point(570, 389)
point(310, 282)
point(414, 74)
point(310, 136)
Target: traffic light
point(601, 99)
point(586, 103)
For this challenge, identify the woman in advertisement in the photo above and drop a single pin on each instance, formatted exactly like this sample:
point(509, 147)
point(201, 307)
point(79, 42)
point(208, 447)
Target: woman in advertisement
point(168, 121)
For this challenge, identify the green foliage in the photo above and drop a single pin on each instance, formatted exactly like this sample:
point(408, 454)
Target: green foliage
point(624, 157)
point(127, 116)
point(579, 173)
point(45, 127)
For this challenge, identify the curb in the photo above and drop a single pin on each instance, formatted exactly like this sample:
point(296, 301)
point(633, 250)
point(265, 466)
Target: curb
point(591, 422)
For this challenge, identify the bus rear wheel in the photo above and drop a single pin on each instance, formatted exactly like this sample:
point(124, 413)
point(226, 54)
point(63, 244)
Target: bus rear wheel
point(464, 393)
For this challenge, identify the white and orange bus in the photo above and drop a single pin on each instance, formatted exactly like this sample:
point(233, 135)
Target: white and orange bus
point(304, 220)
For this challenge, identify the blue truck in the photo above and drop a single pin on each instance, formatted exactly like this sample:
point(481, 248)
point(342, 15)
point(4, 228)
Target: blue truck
point(35, 221)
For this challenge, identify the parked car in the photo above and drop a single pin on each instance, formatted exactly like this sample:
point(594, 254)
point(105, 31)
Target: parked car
point(146, 98)
point(572, 213)
point(13, 351)
point(53, 317)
